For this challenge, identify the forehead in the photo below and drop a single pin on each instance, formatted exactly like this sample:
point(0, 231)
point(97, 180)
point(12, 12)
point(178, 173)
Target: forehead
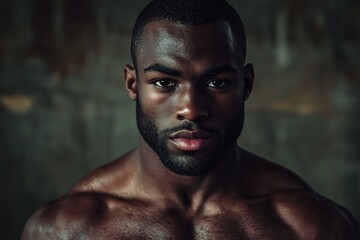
point(212, 43)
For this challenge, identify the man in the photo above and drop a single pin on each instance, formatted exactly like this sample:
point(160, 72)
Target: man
point(188, 179)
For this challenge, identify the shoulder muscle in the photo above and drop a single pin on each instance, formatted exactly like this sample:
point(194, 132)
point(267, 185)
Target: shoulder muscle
point(313, 216)
point(64, 218)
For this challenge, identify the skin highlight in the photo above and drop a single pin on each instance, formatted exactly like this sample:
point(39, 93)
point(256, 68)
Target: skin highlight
point(190, 85)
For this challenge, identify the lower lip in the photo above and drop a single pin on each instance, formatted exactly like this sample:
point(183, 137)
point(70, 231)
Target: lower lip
point(187, 144)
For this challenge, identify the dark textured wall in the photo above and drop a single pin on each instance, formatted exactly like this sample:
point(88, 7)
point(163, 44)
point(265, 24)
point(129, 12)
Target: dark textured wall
point(63, 109)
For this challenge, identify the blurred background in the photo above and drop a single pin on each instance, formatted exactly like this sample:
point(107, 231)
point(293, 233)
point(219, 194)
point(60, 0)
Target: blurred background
point(64, 110)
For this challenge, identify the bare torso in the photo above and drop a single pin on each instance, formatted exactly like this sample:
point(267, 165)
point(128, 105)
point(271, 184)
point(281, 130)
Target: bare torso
point(272, 203)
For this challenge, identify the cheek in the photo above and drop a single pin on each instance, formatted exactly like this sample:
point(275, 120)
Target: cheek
point(228, 107)
point(155, 105)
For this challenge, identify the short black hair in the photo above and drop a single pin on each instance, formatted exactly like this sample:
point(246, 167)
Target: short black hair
point(191, 12)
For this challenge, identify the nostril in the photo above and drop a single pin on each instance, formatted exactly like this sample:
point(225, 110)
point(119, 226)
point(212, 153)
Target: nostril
point(192, 114)
point(180, 117)
point(204, 115)
point(192, 106)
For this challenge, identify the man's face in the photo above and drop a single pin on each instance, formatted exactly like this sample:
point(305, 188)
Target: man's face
point(189, 94)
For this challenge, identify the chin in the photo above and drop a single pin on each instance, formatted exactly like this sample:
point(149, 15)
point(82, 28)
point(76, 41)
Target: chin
point(190, 163)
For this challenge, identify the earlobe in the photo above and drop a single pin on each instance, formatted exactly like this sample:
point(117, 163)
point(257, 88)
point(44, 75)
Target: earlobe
point(130, 81)
point(249, 76)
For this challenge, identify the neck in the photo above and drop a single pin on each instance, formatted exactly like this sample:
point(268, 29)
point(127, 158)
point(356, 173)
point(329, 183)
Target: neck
point(157, 181)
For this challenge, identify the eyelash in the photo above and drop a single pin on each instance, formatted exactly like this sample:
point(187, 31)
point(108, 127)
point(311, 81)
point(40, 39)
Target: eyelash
point(157, 83)
point(223, 83)
point(171, 84)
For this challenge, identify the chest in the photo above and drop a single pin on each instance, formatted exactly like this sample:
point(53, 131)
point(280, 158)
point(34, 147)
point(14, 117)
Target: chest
point(174, 225)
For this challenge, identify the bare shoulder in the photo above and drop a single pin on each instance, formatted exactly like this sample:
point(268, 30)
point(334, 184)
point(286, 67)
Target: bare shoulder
point(90, 202)
point(309, 214)
point(313, 216)
point(84, 215)
point(262, 177)
point(65, 217)
point(112, 178)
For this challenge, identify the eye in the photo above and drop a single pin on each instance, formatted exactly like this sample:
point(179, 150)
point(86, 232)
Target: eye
point(164, 83)
point(216, 83)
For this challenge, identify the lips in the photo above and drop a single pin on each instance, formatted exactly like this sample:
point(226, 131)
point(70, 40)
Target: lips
point(191, 140)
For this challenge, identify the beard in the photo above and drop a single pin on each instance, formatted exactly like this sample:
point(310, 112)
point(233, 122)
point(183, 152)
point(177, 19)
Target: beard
point(188, 163)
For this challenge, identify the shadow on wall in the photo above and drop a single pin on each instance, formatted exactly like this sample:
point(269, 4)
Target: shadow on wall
point(63, 109)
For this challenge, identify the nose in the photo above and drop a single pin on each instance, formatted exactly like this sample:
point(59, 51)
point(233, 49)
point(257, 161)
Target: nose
point(192, 106)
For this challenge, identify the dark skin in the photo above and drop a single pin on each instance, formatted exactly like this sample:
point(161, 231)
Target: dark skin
point(194, 74)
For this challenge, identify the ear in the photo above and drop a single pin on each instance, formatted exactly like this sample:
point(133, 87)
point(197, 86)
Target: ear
point(130, 81)
point(249, 76)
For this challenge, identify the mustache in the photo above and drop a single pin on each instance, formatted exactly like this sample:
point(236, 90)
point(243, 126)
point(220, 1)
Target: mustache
point(187, 125)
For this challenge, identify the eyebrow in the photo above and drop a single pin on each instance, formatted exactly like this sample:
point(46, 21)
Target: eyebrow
point(212, 71)
point(163, 69)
